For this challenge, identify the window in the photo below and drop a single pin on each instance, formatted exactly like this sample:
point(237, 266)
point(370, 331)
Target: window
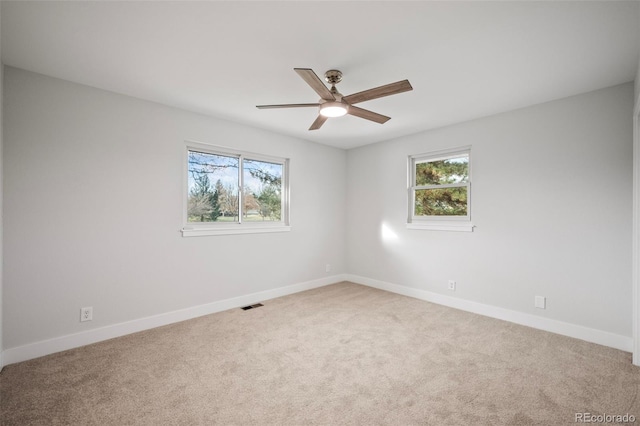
point(230, 192)
point(440, 190)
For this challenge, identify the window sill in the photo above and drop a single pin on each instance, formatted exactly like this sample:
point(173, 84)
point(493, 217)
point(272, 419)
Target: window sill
point(233, 230)
point(442, 226)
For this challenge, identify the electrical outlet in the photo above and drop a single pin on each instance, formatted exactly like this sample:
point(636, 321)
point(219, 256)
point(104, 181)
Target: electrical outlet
point(86, 314)
point(540, 302)
point(452, 285)
point(327, 267)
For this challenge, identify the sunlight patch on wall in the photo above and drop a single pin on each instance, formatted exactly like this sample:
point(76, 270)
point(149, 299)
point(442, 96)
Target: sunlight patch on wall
point(388, 235)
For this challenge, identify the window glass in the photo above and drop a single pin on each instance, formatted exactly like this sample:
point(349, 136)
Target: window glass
point(440, 186)
point(441, 202)
point(212, 188)
point(451, 170)
point(262, 191)
point(229, 192)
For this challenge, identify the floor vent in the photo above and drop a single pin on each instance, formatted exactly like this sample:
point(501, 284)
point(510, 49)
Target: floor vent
point(246, 308)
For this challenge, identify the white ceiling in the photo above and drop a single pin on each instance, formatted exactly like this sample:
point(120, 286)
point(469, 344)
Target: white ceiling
point(464, 59)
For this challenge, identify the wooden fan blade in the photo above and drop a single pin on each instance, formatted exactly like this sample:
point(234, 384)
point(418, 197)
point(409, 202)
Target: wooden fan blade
point(379, 92)
point(368, 115)
point(316, 84)
point(286, 106)
point(319, 122)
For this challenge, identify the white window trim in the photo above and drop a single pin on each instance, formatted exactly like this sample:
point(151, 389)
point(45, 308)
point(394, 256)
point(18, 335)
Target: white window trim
point(437, 223)
point(442, 226)
point(239, 229)
point(206, 229)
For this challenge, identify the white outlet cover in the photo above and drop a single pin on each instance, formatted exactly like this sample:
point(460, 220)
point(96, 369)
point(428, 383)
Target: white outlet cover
point(452, 285)
point(541, 302)
point(86, 314)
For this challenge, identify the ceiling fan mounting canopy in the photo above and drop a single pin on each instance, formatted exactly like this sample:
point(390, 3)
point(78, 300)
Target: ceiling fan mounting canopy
point(333, 104)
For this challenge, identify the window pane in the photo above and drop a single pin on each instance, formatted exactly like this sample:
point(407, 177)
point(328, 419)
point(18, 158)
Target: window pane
point(441, 202)
point(442, 172)
point(213, 188)
point(262, 191)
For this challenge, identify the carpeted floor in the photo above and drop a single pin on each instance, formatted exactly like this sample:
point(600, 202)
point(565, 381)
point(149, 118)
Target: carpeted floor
point(341, 354)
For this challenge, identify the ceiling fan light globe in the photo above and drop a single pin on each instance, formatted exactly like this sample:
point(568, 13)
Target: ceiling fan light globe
point(333, 109)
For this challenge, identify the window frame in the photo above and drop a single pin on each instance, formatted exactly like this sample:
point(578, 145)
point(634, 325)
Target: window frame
point(195, 229)
point(438, 223)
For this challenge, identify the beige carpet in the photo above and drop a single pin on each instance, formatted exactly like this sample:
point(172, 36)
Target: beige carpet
point(342, 354)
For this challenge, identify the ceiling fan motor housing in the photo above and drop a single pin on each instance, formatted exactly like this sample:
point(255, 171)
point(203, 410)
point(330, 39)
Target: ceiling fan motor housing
point(333, 77)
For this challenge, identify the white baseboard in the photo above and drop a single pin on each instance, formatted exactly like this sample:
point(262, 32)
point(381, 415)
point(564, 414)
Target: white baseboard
point(592, 335)
point(46, 347)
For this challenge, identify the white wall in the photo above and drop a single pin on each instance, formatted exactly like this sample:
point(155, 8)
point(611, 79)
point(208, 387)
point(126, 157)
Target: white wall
point(636, 216)
point(93, 198)
point(93, 207)
point(552, 194)
point(637, 83)
point(637, 80)
point(1, 210)
point(636, 223)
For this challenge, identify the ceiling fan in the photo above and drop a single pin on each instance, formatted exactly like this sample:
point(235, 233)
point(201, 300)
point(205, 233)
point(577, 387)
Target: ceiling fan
point(333, 104)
